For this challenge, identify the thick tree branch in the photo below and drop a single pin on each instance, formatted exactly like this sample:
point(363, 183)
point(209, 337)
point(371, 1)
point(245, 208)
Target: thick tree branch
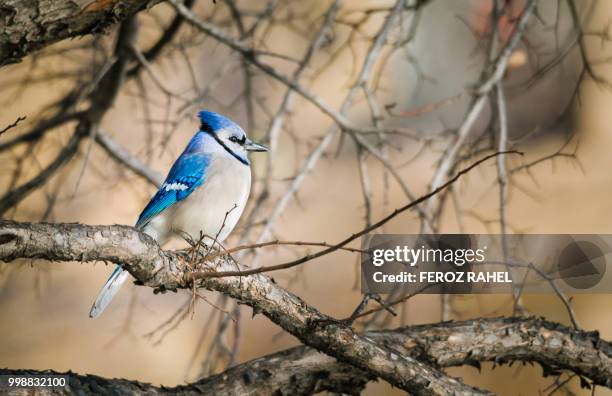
point(500, 340)
point(297, 371)
point(504, 340)
point(26, 26)
point(143, 258)
point(303, 370)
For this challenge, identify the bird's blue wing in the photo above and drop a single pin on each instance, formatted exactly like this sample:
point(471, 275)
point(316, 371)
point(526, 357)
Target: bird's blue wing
point(187, 173)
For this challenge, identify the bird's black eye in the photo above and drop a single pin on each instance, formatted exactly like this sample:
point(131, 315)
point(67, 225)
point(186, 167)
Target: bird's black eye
point(235, 139)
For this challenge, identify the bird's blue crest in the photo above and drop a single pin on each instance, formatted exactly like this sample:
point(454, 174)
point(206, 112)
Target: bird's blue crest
point(213, 122)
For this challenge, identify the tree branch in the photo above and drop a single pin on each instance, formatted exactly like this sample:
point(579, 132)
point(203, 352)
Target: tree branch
point(26, 26)
point(296, 371)
point(303, 370)
point(101, 101)
point(15, 196)
point(143, 258)
point(410, 205)
point(11, 126)
point(122, 156)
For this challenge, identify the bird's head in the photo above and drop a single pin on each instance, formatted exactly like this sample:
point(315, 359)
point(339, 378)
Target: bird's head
point(228, 134)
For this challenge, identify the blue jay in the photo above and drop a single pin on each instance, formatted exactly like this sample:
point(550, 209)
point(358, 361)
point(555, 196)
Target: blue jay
point(205, 191)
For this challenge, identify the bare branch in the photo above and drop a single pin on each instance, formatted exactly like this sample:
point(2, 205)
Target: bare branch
point(11, 126)
point(448, 160)
point(110, 82)
point(15, 196)
point(251, 56)
point(41, 23)
point(124, 157)
point(358, 234)
point(297, 371)
point(304, 371)
point(168, 270)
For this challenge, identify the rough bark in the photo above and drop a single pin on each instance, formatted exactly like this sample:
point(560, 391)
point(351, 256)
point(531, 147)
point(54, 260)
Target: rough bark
point(303, 370)
point(28, 25)
point(151, 266)
point(297, 371)
point(504, 340)
point(391, 357)
point(554, 346)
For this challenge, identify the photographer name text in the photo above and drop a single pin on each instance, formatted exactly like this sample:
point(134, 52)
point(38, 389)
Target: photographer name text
point(443, 277)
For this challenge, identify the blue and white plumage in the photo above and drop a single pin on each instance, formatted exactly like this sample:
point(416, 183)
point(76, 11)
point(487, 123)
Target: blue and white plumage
point(207, 186)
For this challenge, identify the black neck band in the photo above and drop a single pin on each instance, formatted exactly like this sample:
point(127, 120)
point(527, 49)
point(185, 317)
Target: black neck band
point(204, 127)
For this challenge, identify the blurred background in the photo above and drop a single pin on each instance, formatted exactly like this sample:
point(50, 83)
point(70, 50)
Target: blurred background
point(420, 89)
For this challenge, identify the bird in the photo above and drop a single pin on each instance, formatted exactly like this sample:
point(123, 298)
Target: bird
point(204, 193)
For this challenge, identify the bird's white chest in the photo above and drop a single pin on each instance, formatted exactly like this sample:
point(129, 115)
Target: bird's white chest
point(215, 207)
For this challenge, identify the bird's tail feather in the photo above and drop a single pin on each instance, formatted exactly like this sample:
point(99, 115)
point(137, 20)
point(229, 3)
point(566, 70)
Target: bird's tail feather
point(111, 287)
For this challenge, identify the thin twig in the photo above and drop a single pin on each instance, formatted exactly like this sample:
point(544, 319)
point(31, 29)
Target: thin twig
point(357, 234)
point(13, 125)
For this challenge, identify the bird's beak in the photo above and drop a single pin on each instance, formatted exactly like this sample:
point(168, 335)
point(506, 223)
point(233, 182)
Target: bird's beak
point(252, 146)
